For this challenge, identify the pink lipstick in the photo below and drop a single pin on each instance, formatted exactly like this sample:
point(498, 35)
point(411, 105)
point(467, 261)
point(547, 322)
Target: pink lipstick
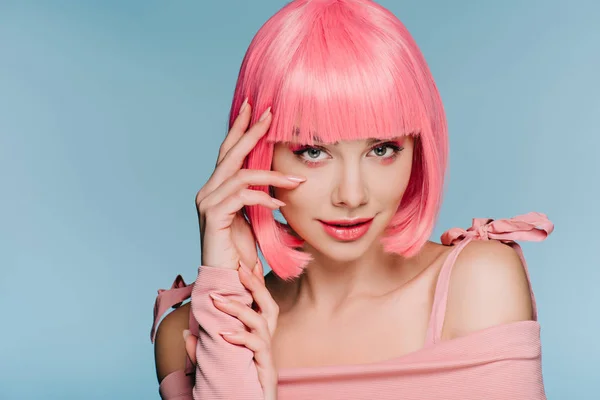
point(347, 230)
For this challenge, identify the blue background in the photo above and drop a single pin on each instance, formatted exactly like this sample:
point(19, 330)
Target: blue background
point(111, 114)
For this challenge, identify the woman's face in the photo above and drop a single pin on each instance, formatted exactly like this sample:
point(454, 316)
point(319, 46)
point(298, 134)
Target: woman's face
point(348, 180)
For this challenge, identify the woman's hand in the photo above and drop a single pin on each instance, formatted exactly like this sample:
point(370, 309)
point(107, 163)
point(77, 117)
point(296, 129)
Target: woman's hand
point(261, 323)
point(225, 235)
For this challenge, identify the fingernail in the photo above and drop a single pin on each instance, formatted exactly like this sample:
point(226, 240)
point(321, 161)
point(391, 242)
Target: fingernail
point(265, 114)
point(244, 268)
point(278, 202)
point(258, 264)
point(243, 106)
point(226, 333)
point(295, 178)
point(218, 297)
point(186, 334)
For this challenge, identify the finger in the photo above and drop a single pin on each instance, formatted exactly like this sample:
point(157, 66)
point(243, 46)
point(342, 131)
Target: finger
point(221, 216)
point(190, 345)
point(258, 271)
point(237, 129)
point(245, 178)
point(233, 159)
point(235, 156)
point(262, 351)
point(262, 297)
point(247, 141)
point(255, 322)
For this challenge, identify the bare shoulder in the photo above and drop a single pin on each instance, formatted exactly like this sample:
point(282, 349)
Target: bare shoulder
point(169, 348)
point(488, 287)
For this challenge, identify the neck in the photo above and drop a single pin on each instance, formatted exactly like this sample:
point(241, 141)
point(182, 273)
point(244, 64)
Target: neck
point(327, 286)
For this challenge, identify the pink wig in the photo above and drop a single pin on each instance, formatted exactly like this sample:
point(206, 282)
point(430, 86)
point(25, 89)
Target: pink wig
point(343, 70)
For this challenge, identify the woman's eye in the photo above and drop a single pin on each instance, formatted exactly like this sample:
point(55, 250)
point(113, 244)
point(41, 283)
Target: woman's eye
point(382, 150)
point(313, 153)
point(310, 154)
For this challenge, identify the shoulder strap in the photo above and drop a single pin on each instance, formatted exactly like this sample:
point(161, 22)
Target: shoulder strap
point(531, 227)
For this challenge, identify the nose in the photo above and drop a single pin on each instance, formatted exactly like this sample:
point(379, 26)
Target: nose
point(351, 190)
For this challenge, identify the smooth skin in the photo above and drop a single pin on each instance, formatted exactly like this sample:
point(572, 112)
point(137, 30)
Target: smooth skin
point(383, 300)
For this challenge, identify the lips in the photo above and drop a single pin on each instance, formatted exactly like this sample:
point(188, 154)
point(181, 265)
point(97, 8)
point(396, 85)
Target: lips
point(347, 230)
point(347, 222)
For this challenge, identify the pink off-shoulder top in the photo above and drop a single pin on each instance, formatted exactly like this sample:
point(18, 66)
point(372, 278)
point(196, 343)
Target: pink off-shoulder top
point(501, 362)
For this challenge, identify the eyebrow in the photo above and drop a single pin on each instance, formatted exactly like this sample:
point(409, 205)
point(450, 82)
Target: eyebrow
point(317, 138)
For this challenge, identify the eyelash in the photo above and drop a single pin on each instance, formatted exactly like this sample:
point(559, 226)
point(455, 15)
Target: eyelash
point(396, 147)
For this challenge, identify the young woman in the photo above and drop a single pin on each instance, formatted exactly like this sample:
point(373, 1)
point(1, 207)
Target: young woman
point(336, 121)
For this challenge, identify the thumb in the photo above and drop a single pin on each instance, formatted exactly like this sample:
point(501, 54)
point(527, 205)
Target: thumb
point(190, 345)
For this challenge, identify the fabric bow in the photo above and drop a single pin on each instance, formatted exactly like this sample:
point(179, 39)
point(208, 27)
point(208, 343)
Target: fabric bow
point(532, 226)
point(170, 298)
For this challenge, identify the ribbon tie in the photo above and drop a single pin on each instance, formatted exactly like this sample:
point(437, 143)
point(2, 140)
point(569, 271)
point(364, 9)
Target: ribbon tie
point(166, 299)
point(532, 226)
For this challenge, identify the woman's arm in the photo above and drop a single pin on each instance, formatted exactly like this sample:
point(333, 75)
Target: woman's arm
point(170, 356)
point(223, 370)
point(169, 348)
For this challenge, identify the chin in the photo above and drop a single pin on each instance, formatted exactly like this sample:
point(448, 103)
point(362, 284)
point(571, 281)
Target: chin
point(344, 253)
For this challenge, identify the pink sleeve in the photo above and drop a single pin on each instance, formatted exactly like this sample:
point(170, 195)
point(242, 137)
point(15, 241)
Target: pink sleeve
point(224, 371)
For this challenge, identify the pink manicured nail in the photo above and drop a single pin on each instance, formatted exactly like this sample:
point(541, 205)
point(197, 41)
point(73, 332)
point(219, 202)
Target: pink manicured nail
point(244, 268)
point(243, 106)
point(259, 265)
point(265, 114)
point(278, 202)
point(226, 333)
point(186, 334)
point(218, 297)
point(294, 178)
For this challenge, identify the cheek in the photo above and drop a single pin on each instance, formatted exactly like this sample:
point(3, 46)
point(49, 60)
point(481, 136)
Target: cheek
point(296, 205)
point(389, 192)
point(304, 196)
point(392, 183)
point(303, 204)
